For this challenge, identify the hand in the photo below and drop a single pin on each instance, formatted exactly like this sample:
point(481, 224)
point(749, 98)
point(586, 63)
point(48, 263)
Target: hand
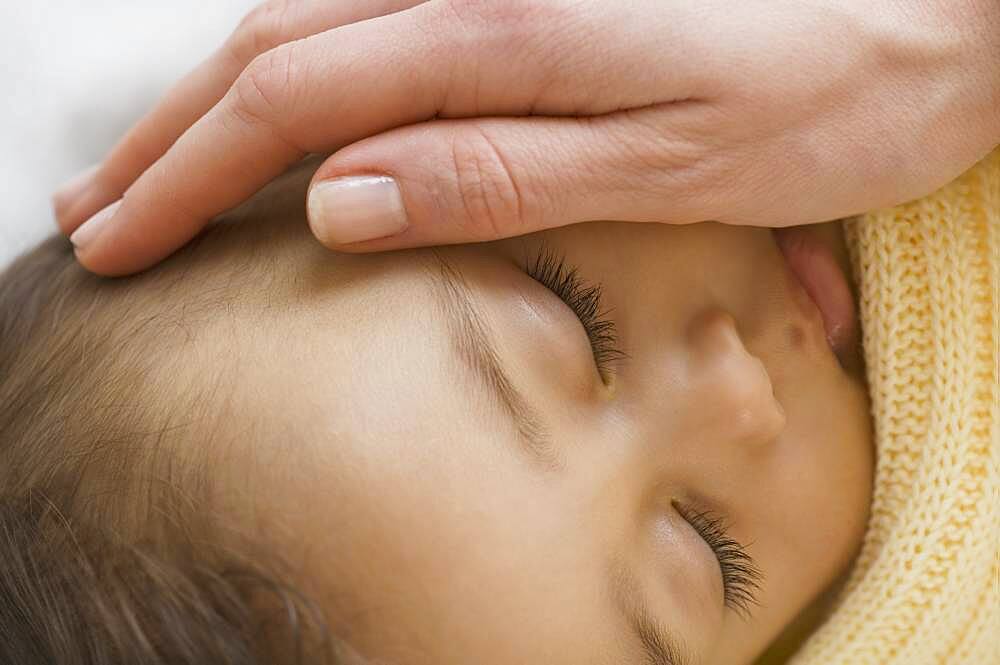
point(466, 120)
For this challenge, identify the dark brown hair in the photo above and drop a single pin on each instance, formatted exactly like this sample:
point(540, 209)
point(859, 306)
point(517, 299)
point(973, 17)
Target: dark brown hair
point(108, 551)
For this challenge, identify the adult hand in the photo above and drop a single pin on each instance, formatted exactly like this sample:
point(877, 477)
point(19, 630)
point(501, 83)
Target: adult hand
point(467, 120)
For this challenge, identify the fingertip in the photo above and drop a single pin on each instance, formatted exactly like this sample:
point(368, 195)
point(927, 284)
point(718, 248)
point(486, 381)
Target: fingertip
point(86, 260)
point(85, 235)
point(94, 261)
point(314, 216)
point(100, 249)
point(68, 194)
point(355, 209)
point(86, 241)
point(92, 201)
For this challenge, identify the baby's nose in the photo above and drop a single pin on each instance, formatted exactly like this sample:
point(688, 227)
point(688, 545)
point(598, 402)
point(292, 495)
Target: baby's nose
point(733, 397)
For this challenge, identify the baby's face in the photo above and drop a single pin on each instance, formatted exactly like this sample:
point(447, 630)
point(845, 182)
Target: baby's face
point(463, 482)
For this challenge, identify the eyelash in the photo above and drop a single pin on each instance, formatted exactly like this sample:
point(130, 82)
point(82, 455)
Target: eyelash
point(552, 272)
point(740, 577)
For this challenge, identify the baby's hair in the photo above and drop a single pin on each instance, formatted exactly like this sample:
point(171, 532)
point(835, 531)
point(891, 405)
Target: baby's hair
point(109, 553)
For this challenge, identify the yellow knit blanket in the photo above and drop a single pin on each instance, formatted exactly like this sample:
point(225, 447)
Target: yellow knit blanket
point(926, 586)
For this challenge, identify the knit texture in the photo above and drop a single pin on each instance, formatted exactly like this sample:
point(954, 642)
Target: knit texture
point(926, 585)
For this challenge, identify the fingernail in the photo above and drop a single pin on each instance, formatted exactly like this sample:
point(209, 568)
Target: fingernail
point(90, 229)
point(356, 208)
point(71, 190)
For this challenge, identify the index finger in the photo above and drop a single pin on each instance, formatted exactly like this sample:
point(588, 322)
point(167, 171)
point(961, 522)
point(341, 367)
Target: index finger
point(287, 103)
point(269, 25)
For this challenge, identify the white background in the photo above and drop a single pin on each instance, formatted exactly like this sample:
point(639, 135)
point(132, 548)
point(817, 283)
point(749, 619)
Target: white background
point(74, 74)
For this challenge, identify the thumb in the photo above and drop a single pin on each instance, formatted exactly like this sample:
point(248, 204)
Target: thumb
point(468, 180)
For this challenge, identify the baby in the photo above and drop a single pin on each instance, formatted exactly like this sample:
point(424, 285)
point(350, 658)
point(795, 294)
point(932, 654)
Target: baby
point(609, 443)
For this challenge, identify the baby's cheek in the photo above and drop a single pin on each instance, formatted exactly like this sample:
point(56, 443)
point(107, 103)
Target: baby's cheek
point(828, 473)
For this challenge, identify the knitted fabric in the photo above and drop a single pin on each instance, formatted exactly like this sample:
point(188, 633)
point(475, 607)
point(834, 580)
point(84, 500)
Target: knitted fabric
point(926, 587)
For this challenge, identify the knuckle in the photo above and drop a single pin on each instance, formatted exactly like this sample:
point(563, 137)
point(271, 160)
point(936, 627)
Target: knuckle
point(261, 30)
point(514, 32)
point(501, 17)
point(478, 12)
point(656, 148)
point(262, 92)
point(490, 199)
point(662, 158)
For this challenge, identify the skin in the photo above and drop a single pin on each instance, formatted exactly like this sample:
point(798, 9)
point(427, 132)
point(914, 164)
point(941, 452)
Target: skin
point(495, 118)
point(390, 474)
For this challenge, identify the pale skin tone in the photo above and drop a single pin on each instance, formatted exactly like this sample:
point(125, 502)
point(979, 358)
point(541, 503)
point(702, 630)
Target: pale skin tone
point(434, 533)
point(487, 119)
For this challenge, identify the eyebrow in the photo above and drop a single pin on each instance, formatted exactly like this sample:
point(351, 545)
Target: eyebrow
point(473, 340)
point(474, 343)
point(658, 646)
